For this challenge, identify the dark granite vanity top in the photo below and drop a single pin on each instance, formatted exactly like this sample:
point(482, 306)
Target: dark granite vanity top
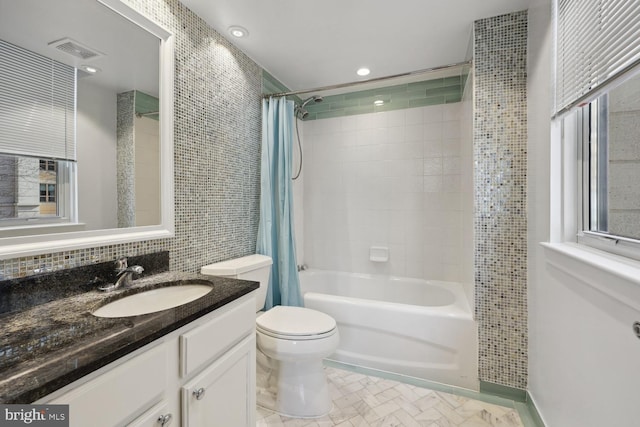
point(48, 344)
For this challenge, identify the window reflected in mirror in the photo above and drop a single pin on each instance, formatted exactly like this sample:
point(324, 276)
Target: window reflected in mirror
point(33, 190)
point(82, 147)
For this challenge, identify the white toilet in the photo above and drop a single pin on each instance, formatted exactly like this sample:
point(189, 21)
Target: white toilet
point(291, 343)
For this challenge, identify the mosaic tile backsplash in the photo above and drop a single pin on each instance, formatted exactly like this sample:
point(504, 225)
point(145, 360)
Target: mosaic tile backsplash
point(500, 152)
point(216, 151)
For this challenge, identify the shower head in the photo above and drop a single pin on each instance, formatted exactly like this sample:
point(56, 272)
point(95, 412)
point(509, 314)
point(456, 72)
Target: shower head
point(300, 110)
point(301, 113)
point(314, 98)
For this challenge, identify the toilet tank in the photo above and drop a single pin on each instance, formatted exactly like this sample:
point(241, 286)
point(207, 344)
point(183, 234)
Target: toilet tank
point(252, 267)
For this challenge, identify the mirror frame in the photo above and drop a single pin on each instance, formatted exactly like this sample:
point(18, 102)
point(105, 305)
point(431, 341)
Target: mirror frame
point(36, 244)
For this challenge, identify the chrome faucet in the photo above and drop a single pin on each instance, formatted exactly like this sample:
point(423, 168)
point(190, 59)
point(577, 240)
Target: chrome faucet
point(124, 275)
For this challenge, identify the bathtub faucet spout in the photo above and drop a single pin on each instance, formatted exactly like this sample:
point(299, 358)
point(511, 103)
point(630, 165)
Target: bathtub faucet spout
point(302, 267)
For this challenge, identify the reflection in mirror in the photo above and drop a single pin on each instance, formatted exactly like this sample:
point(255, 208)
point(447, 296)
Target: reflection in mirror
point(614, 161)
point(88, 156)
point(120, 52)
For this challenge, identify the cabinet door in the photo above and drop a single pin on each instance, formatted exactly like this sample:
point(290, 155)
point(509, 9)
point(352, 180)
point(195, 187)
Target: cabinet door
point(223, 395)
point(121, 394)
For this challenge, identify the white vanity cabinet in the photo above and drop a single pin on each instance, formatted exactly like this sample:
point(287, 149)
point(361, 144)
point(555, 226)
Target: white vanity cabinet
point(223, 394)
point(111, 398)
point(202, 374)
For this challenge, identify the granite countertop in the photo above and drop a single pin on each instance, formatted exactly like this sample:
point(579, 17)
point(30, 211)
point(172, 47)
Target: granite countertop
point(47, 346)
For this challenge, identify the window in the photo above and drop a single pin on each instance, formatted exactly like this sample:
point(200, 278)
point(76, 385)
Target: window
point(596, 42)
point(597, 54)
point(611, 168)
point(47, 193)
point(48, 165)
point(34, 190)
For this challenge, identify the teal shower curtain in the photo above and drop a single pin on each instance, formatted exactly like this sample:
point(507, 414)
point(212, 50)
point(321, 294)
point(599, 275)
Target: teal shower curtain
point(275, 230)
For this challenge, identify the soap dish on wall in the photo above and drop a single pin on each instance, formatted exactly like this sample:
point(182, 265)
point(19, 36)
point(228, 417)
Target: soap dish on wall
point(379, 253)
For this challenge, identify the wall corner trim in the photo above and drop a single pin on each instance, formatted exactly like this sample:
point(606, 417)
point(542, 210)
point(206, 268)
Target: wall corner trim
point(533, 411)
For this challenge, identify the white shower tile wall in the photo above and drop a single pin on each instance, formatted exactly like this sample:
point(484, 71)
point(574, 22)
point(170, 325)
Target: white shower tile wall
point(216, 153)
point(500, 153)
point(389, 179)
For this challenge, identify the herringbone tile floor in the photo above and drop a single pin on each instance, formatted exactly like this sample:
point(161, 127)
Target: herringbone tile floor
point(365, 401)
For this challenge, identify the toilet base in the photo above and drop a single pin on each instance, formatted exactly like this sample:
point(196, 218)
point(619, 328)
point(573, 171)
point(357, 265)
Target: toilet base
point(293, 389)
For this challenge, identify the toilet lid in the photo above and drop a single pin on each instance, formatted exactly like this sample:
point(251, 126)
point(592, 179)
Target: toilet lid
point(295, 321)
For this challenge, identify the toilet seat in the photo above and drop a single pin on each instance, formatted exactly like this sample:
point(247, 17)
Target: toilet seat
point(295, 323)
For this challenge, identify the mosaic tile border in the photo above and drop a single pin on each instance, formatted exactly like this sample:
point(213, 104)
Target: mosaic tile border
point(500, 181)
point(46, 263)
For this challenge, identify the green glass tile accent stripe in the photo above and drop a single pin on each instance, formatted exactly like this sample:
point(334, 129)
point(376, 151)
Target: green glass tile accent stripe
point(346, 103)
point(272, 85)
point(429, 92)
point(418, 94)
point(423, 102)
point(147, 104)
point(503, 391)
point(428, 84)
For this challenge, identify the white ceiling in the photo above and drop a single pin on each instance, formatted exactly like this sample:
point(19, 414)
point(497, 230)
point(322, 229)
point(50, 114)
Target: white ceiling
point(131, 55)
point(307, 44)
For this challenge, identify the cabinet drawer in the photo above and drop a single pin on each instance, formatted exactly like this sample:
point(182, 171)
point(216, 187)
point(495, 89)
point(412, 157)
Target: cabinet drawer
point(155, 416)
point(120, 394)
point(206, 342)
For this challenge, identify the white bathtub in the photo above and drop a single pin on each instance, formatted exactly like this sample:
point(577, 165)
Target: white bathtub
point(413, 327)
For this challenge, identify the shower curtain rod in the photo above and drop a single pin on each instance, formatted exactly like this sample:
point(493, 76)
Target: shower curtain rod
point(374, 80)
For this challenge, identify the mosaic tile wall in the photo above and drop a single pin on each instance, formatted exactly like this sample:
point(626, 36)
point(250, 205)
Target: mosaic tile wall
point(217, 153)
point(500, 144)
point(125, 153)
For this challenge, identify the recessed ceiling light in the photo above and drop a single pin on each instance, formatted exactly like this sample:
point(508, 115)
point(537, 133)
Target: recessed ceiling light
point(90, 69)
point(363, 71)
point(378, 102)
point(238, 31)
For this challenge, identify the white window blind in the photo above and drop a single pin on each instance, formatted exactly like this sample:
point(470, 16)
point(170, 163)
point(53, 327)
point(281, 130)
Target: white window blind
point(37, 105)
point(596, 41)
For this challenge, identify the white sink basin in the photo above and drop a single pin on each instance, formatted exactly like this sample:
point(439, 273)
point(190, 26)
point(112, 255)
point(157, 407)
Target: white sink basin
point(152, 301)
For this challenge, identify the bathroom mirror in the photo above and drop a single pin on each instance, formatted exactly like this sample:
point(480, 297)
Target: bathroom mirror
point(112, 180)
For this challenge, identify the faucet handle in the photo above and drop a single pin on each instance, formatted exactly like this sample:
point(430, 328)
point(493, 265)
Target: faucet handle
point(121, 264)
